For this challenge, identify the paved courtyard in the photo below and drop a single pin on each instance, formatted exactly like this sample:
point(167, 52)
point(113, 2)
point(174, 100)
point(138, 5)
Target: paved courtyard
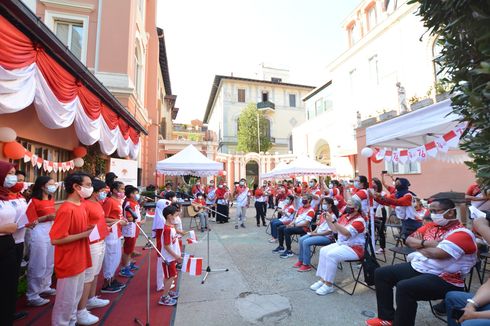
point(260, 288)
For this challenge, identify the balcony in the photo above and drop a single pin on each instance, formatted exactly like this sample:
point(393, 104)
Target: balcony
point(266, 106)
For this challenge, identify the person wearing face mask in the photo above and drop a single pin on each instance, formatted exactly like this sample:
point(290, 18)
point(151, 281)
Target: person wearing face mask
point(260, 205)
point(351, 228)
point(197, 188)
point(198, 203)
point(402, 199)
point(113, 214)
point(300, 225)
point(222, 204)
point(69, 234)
point(242, 197)
point(130, 231)
point(40, 213)
point(380, 216)
point(445, 253)
point(8, 259)
point(315, 193)
point(286, 217)
point(210, 192)
point(360, 193)
point(321, 236)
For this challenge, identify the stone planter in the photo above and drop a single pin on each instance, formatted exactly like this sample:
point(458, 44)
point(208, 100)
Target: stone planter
point(442, 97)
point(387, 115)
point(368, 122)
point(420, 104)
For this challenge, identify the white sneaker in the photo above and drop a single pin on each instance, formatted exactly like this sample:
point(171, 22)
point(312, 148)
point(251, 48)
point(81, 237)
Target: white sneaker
point(50, 291)
point(316, 286)
point(96, 302)
point(272, 240)
point(86, 318)
point(324, 289)
point(38, 302)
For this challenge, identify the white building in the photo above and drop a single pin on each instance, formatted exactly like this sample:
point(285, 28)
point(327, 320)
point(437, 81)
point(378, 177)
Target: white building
point(283, 101)
point(385, 46)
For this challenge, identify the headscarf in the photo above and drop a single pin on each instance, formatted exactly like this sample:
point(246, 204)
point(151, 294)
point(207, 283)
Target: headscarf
point(402, 189)
point(5, 167)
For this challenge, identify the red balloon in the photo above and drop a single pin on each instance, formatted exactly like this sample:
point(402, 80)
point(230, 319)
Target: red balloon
point(373, 157)
point(80, 151)
point(13, 150)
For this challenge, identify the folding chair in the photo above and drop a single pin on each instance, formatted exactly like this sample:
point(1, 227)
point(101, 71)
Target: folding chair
point(404, 251)
point(273, 216)
point(356, 278)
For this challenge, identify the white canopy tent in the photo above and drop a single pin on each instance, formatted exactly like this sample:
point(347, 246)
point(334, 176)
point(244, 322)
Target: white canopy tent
point(269, 175)
point(189, 161)
point(418, 128)
point(304, 165)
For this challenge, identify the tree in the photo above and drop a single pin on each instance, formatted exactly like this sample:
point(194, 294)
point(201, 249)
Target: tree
point(247, 130)
point(462, 27)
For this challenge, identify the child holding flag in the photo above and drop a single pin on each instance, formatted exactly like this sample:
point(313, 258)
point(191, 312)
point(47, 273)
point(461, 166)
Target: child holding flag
point(171, 253)
point(130, 231)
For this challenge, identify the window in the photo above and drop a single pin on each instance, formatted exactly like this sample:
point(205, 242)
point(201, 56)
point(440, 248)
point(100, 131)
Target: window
point(399, 168)
point(71, 33)
point(241, 95)
point(276, 80)
point(373, 70)
point(292, 100)
point(265, 96)
point(371, 17)
point(139, 74)
point(266, 128)
point(319, 106)
point(353, 34)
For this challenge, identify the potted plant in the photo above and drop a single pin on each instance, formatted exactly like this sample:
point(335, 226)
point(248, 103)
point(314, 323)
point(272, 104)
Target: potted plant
point(443, 88)
point(420, 102)
point(387, 115)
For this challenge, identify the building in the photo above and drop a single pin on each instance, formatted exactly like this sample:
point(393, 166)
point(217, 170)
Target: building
point(386, 45)
point(280, 101)
point(83, 39)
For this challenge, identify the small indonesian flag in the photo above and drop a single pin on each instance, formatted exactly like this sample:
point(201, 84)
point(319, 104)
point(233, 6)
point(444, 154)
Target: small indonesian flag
point(388, 156)
point(34, 160)
point(195, 268)
point(99, 232)
point(380, 154)
point(186, 263)
point(451, 138)
point(192, 237)
point(94, 235)
point(441, 145)
point(39, 162)
point(55, 166)
point(413, 154)
point(431, 148)
point(421, 153)
point(27, 156)
point(150, 213)
point(396, 157)
point(403, 156)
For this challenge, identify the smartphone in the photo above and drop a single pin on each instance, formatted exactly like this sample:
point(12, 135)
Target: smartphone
point(457, 314)
point(384, 172)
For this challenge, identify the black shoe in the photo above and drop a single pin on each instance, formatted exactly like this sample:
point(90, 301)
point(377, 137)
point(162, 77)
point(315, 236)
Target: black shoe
point(258, 225)
point(264, 224)
point(279, 249)
point(20, 315)
point(242, 225)
point(236, 226)
point(440, 308)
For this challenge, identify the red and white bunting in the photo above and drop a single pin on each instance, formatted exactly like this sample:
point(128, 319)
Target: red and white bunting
point(403, 156)
point(388, 155)
point(431, 148)
point(380, 154)
point(441, 145)
point(396, 156)
point(46, 165)
point(413, 154)
point(195, 268)
point(55, 166)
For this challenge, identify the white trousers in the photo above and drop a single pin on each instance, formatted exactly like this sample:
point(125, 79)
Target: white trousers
point(112, 257)
point(330, 257)
point(68, 293)
point(97, 252)
point(241, 215)
point(41, 261)
point(160, 275)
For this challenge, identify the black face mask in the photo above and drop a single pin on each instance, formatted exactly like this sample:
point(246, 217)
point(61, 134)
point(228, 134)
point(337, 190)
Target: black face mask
point(304, 201)
point(349, 210)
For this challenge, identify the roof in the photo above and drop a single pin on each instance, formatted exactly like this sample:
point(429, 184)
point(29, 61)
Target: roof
point(217, 82)
point(317, 90)
point(19, 15)
point(162, 57)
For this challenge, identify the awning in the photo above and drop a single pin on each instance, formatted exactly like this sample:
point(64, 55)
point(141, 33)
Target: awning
point(189, 161)
point(306, 166)
point(35, 68)
point(415, 128)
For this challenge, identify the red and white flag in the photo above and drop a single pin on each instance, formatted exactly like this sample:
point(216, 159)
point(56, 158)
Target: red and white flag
point(195, 268)
point(441, 145)
point(192, 237)
point(94, 235)
point(396, 156)
point(55, 166)
point(413, 154)
point(403, 156)
point(451, 138)
point(186, 262)
point(421, 153)
point(34, 160)
point(431, 148)
point(388, 156)
point(380, 154)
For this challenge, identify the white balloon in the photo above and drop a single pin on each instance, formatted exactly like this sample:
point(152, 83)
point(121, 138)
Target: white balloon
point(367, 152)
point(7, 135)
point(78, 162)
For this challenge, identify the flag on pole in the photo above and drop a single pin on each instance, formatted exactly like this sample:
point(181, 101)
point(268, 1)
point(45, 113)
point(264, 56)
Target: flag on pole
point(192, 237)
point(186, 262)
point(94, 235)
point(195, 268)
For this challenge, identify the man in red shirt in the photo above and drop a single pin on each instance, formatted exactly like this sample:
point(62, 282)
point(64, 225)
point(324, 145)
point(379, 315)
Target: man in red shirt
point(69, 235)
point(480, 198)
point(445, 253)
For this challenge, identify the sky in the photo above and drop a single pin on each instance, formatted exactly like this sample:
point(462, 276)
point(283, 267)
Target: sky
point(205, 38)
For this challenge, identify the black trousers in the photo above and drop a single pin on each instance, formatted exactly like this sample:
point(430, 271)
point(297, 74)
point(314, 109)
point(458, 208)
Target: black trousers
point(213, 212)
point(411, 286)
point(222, 209)
point(271, 201)
point(9, 277)
point(260, 211)
point(284, 232)
point(380, 225)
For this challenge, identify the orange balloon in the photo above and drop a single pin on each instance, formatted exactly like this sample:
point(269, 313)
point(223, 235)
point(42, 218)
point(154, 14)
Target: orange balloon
point(13, 150)
point(80, 151)
point(373, 157)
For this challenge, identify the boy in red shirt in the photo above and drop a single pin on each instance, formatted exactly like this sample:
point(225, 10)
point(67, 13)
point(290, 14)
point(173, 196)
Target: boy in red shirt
point(130, 231)
point(69, 235)
point(171, 254)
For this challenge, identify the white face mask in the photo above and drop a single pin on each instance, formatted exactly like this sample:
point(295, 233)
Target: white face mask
point(357, 184)
point(51, 189)
point(439, 218)
point(10, 181)
point(137, 197)
point(311, 184)
point(324, 207)
point(335, 202)
point(242, 183)
point(85, 192)
point(220, 186)
point(330, 186)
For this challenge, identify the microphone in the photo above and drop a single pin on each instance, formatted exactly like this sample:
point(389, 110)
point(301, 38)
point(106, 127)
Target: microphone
point(133, 214)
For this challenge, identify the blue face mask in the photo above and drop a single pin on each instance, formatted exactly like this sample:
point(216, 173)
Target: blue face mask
point(137, 197)
point(102, 195)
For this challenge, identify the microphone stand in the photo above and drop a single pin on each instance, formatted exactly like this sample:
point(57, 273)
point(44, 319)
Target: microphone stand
point(208, 268)
point(149, 245)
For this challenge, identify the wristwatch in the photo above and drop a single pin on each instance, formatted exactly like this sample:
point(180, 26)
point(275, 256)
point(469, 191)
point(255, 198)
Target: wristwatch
point(473, 303)
point(423, 243)
point(334, 221)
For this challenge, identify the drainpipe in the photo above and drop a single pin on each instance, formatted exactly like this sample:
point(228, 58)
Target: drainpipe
point(97, 37)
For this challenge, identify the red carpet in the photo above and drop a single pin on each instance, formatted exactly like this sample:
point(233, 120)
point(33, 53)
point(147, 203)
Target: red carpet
point(124, 306)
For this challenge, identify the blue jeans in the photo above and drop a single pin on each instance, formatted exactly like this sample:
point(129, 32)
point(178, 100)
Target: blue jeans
point(306, 241)
point(457, 300)
point(274, 224)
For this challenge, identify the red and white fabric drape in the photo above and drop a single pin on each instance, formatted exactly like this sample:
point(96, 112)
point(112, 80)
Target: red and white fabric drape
point(30, 75)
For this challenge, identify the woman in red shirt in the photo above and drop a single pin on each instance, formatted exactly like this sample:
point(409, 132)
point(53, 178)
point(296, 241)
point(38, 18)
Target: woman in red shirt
point(40, 212)
point(222, 204)
point(260, 205)
point(113, 214)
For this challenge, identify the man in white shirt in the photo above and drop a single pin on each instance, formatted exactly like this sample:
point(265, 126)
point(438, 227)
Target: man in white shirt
point(242, 197)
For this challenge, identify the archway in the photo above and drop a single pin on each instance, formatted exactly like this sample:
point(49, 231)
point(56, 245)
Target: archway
point(322, 152)
point(252, 172)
